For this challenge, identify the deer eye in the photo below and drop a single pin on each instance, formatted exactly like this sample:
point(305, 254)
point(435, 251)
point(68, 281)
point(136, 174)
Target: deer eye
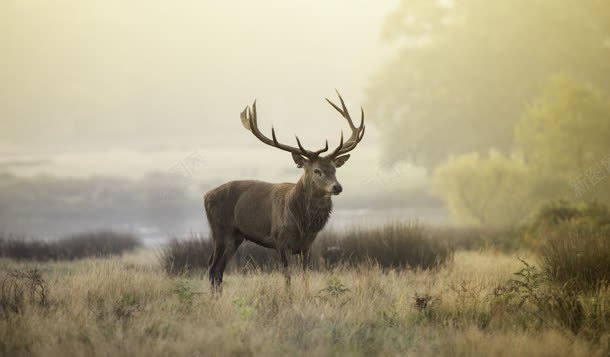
point(317, 172)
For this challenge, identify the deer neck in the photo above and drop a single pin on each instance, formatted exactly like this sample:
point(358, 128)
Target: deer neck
point(311, 207)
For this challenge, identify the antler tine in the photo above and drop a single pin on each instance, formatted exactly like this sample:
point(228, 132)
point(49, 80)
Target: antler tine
point(345, 111)
point(362, 135)
point(334, 153)
point(323, 150)
point(254, 115)
point(357, 132)
point(275, 142)
point(362, 117)
point(303, 151)
point(250, 117)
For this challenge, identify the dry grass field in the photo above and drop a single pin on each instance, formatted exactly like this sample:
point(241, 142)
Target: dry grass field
point(194, 178)
point(125, 306)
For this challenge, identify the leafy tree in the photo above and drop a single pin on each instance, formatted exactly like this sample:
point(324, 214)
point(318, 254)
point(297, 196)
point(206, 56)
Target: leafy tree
point(463, 73)
point(565, 154)
point(493, 190)
point(565, 134)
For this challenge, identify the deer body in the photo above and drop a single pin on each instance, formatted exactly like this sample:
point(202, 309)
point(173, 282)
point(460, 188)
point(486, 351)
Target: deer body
point(286, 217)
point(289, 215)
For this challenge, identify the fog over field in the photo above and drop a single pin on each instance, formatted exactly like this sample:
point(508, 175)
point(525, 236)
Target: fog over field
point(122, 115)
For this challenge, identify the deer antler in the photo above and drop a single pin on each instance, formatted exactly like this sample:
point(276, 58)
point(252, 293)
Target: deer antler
point(357, 132)
point(249, 121)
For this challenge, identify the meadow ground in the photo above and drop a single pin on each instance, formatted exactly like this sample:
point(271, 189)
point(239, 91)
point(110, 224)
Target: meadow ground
point(127, 306)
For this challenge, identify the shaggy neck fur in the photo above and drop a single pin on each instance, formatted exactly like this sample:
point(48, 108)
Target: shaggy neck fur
point(311, 207)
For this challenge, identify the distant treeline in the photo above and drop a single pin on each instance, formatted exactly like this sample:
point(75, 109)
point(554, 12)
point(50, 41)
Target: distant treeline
point(77, 246)
point(506, 103)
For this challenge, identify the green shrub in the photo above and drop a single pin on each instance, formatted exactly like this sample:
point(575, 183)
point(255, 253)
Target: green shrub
point(594, 213)
point(536, 293)
point(573, 243)
point(556, 216)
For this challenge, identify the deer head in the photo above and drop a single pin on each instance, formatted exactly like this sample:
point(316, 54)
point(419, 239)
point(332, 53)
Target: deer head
point(319, 171)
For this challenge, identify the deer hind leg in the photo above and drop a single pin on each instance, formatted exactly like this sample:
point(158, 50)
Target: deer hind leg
point(224, 249)
point(220, 231)
point(218, 248)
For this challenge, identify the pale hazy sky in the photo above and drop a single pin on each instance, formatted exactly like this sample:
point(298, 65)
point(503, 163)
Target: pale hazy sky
point(127, 87)
point(89, 76)
point(124, 88)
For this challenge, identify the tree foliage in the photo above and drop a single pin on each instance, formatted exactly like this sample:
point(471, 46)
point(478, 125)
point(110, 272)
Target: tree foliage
point(566, 134)
point(463, 73)
point(564, 154)
point(492, 190)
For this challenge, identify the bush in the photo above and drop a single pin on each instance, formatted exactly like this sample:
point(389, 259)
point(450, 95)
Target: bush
point(77, 246)
point(396, 246)
point(485, 190)
point(182, 257)
point(18, 289)
point(577, 254)
point(554, 216)
point(101, 243)
point(550, 302)
point(391, 246)
point(507, 239)
point(185, 256)
point(573, 243)
point(554, 213)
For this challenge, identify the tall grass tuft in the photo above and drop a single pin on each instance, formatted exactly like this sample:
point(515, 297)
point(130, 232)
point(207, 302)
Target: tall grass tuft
point(397, 246)
point(76, 246)
point(393, 246)
point(19, 289)
point(573, 243)
point(577, 254)
point(183, 257)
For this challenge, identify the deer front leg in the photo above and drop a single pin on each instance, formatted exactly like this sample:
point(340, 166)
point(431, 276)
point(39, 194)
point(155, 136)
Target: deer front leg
point(284, 259)
point(306, 256)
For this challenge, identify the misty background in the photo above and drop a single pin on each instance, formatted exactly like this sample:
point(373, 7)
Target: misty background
point(122, 114)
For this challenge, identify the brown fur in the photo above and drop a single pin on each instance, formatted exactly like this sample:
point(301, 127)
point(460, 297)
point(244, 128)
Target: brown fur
point(284, 216)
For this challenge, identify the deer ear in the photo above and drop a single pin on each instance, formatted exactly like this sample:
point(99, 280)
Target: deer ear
point(341, 160)
point(299, 160)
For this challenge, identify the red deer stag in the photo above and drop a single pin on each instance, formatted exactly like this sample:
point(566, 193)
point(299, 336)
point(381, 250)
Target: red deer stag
point(283, 216)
